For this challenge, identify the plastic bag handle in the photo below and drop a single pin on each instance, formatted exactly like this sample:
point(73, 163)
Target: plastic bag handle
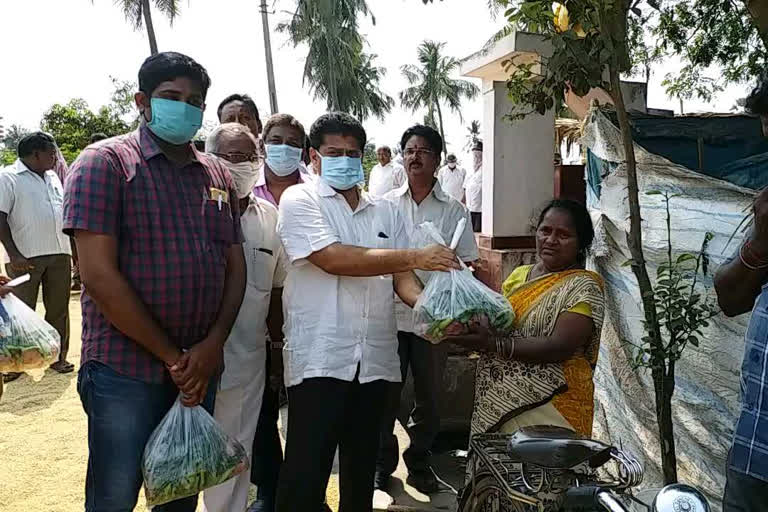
point(19, 280)
point(457, 233)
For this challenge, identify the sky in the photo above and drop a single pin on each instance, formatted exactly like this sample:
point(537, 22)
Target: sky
point(55, 50)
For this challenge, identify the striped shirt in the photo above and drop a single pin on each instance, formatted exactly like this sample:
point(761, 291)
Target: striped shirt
point(34, 208)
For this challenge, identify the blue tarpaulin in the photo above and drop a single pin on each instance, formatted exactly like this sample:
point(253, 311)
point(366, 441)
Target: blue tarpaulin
point(724, 146)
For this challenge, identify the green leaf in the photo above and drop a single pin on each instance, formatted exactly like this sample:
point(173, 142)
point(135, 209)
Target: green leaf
point(653, 192)
point(628, 263)
point(693, 340)
point(685, 257)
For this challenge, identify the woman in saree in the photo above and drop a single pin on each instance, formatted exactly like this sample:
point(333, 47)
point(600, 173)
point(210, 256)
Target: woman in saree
point(542, 373)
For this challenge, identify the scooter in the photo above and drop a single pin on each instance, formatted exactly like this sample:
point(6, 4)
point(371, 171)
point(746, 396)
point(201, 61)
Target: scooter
point(549, 469)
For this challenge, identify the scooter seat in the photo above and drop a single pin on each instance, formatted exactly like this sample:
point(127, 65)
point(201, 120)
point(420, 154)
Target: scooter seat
point(556, 448)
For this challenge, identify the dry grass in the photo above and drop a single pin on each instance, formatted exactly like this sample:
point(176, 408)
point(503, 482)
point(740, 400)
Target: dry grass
point(43, 441)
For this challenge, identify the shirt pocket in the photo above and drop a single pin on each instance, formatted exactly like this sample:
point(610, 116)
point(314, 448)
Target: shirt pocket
point(261, 268)
point(219, 224)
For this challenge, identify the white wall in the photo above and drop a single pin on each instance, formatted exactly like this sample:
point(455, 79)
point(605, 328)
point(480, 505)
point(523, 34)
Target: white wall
point(517, 164)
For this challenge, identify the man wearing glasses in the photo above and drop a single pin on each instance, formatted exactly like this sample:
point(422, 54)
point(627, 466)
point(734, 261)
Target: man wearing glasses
point(239, 398)
point(347, 255)
point(419, 200)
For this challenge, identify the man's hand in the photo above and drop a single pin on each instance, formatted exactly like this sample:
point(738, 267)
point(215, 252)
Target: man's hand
point(437, 257)
point(3, 289)
point(194, 369)
point(760, 233)
point(20, 264)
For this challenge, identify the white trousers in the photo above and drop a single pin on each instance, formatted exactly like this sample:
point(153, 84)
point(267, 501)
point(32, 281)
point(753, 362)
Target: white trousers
point(237, 411)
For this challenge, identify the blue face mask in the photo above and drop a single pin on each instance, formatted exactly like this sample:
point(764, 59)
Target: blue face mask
point(283, 159)
point(176, 122)
point(342, 172)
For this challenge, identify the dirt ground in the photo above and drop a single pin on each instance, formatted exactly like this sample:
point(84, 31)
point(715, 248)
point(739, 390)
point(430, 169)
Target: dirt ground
point(43, 441)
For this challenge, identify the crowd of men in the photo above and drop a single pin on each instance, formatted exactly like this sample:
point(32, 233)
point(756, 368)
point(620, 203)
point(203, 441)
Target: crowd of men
point(217, 277)
point(220, 276)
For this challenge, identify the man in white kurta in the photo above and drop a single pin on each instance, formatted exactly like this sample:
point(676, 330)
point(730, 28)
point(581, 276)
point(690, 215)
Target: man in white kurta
point(451, 178)
point(385, 175)
point(473, 188)
point(348, 258)
point(421, 199)
point(238, 400)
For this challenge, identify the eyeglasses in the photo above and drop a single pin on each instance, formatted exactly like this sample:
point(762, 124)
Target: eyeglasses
point(237, 157)
point(418, 151)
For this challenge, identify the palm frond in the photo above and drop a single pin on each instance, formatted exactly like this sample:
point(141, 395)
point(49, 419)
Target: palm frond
point(132, 12)
point(431, 81)
point(170, 8)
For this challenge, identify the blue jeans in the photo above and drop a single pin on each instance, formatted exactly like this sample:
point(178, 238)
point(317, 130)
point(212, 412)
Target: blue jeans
point(122, 413)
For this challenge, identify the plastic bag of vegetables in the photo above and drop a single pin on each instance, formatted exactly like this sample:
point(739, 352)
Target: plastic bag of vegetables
point(187, 453)
point(27, 342)
point(456, 297)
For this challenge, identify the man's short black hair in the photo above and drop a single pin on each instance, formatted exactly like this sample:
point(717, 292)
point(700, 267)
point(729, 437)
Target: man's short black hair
point(166, 66)
point(433, 138)
point(247, 101)
point(336, 123)
point(96, 137)
point(757, 101)
point(36, 141)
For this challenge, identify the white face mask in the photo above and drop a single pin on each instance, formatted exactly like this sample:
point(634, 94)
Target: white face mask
point(245, 175)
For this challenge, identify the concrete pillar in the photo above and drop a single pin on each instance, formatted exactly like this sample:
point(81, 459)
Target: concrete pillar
point(518, 172)
point(518, 158)
point(517, 165)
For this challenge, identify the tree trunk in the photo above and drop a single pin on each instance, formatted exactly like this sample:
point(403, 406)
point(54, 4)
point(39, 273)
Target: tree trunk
point(664, 386)
point(635, 243)
point(149, 26)
point(442, 131)
point(758, 9)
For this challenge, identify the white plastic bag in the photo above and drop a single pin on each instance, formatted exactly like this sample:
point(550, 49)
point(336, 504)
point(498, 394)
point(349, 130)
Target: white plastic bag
point(27, 342)
point(456, 297)
point(187, 453)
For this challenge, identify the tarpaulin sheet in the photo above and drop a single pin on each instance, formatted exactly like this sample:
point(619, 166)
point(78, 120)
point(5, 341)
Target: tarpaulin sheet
point(706, 401)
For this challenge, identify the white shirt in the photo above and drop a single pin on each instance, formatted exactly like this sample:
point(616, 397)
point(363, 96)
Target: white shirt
point(333, 324)
point(473, 187)
point(385, 178)
point(34, 206)
point(444, 212)
point(266, 267)
point(452, 181)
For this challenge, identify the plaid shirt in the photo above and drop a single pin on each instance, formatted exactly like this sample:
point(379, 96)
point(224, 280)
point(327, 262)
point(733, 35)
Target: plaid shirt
point(749, 454)
point(172, 241)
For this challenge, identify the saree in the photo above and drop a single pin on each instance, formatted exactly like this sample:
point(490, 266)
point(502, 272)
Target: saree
point(505, 388)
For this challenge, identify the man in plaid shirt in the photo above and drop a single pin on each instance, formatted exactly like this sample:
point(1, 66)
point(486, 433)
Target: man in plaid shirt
point(741, 287)
point(158, 235)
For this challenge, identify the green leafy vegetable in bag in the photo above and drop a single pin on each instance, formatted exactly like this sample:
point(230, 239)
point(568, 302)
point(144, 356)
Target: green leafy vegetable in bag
point(187, 453)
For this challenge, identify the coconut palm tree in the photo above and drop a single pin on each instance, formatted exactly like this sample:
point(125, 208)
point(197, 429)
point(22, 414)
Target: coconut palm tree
point(366, 97)
point(431, 84)
point(336, 68)
point(139, 13)
point(473, 135)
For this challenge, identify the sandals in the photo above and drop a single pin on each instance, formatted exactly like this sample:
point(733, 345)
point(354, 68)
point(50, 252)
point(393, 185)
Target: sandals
point(63, 367)
point(10, 376)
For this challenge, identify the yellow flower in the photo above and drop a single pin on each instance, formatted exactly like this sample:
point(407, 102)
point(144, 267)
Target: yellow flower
point(562, 20)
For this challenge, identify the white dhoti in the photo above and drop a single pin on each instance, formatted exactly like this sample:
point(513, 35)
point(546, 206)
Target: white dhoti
point(237, 411)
